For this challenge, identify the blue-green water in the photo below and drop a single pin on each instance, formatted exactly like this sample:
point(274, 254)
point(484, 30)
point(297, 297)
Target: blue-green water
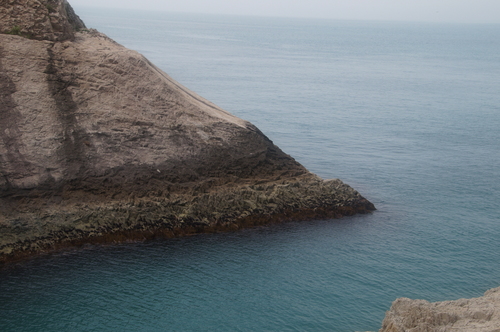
point(407, 113)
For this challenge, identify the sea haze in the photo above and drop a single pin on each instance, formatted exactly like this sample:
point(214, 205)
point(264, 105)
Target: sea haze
point(406, 113)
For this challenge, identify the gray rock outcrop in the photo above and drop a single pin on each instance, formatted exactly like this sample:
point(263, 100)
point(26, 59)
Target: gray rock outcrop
point(480, 314)
point(97, 145)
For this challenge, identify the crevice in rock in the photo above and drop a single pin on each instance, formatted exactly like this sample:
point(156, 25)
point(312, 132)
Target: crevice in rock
point(10, 133)
point(74, 138)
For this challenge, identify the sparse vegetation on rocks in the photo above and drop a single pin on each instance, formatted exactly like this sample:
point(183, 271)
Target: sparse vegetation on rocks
point(15, 30)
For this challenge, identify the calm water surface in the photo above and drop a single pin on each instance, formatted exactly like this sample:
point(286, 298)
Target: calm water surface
point(406, 113)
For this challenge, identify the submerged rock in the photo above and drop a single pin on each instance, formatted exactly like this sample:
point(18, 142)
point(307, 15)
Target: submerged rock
point(480, 314)
point(97, 144)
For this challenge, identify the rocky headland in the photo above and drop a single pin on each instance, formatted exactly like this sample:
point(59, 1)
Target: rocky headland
point(99, 145)
point(480, 314)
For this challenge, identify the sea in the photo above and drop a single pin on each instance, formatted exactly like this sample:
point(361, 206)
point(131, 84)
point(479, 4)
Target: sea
point(406, 113)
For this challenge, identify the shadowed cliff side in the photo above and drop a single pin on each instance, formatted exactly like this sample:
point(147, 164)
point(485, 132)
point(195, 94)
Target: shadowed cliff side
point(97, 144)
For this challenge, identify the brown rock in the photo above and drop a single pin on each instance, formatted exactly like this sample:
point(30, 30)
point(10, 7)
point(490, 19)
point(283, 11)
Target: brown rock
point(98, 144)
point(53, 20)
point(480, 314)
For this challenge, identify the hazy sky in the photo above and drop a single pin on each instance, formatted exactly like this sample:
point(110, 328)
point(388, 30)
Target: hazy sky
point(474, 11)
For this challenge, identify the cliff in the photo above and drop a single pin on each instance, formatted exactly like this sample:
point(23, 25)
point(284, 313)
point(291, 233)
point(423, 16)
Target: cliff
point(52, 20)
point(97, 144)
point(480, 314)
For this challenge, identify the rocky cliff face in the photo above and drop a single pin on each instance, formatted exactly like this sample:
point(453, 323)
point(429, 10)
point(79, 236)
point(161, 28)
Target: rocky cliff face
point(480, 314)
point(52, 20)
point(89, 114)
point(98, 144)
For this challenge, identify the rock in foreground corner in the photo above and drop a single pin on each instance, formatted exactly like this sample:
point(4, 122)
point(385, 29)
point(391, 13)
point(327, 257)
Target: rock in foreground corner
point(480, 314)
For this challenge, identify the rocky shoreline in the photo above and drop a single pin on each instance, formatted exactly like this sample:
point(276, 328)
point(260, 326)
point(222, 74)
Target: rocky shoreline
point(73, 222)
point(99, 145)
